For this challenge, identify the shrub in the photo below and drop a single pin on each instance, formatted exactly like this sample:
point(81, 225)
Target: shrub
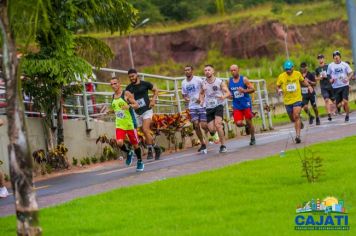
point(83, 162)
point(74, 161)
point(94, 159)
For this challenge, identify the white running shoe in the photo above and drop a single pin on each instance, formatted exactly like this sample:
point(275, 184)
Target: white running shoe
point(3, 192)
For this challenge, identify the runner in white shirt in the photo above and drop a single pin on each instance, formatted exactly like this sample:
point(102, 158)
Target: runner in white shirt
point(192, 91)
point(340, 73)
point(215, 91)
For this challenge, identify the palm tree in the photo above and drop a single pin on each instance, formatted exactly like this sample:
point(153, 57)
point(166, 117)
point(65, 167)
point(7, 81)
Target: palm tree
point(52, 25)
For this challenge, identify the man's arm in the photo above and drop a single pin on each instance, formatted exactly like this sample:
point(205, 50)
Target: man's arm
point(250, 88)
point(154, 97)
point(130, 98)
point(312, 80)
point(225, 90)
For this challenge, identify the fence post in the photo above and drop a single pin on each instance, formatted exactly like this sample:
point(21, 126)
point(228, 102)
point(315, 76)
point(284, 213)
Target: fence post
point(267, 103)
point(260, 101)
point(177, 95)
point(85, 106)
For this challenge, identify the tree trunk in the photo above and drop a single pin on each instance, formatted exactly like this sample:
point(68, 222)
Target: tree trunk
point(60, 135)
point(19, 152)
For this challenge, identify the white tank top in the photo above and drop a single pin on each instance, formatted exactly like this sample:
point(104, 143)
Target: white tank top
point(212, 91)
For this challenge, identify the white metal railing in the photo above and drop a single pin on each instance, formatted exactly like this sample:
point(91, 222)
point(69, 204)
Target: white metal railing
point(91, 105)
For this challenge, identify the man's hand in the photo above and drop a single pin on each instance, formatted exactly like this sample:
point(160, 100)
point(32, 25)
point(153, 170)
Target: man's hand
point(152, 103)
point(279, 92)
point(241, 90)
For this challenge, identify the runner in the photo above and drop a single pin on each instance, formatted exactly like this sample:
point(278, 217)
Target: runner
point(309, 97)
point(192, 91)
point(123, 104)
point(215, 92)
point(325, 86)
point(340, 74)
point(144, 113)
point(240, 88)
point(289, 83)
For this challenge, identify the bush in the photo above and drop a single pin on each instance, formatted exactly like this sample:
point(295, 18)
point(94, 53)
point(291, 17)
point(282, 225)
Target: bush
point(75, 161)
point(94, 159)
point(87, 160)
point(83, 162)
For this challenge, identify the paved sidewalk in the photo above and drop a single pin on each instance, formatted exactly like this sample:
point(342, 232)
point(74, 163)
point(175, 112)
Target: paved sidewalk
point(65, 188)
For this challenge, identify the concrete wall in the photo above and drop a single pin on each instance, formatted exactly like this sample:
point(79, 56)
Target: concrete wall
point(79, 142)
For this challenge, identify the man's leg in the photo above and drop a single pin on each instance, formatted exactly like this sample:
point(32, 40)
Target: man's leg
point(297, 122)
point(133, 137)
point(146, 129)
point(313, 100)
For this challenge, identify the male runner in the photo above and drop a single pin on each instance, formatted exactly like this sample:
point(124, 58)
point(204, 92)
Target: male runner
point(340, 74)
point(192, 88)
point(215, 92)
point(144, 112)
point(289, 83)
point(240, 88)
point(325, 86)
point(309, 97)
point(123, 104)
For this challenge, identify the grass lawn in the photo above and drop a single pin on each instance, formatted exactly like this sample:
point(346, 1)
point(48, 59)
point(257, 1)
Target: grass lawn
point(281, 119)
point(252, 198)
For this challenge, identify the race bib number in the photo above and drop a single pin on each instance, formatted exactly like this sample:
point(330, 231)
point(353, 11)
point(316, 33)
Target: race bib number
point(212, 102)
point(305, 90)
point(237, 94)
point(141, 102)
point(291, 87)
point(120, 114)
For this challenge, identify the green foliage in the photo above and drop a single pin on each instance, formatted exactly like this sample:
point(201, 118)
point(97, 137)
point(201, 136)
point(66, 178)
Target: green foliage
point(93, 50)
point(74, 161)
point(82, 162)
point(109, 153)
point(94, 159)
point(87, 160)
point(57, 157)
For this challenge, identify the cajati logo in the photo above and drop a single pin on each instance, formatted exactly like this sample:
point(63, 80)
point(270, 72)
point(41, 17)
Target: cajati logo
point(326, 214)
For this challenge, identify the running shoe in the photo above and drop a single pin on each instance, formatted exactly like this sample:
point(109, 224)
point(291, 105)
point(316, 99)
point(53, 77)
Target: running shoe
point(203, 149)
point(158, 152)
point(298, 140)
point(253, 141)
point(216, 138)
point(317, 121)
point(149, 154)
point(140, 166)
point(129, 158)
point(3, 192)
point(222, 149)
point(329, 117)
point(347, 118)
point(311, 120)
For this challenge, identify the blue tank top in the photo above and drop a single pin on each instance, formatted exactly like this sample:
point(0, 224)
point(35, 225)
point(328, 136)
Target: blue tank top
point(240, 101)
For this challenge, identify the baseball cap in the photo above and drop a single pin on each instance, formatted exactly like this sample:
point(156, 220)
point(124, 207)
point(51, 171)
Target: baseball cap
point(320, 56)
point(288, 65)
point(336, 53)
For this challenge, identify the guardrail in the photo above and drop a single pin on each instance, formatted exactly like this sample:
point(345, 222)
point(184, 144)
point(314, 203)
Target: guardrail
point(96, 97)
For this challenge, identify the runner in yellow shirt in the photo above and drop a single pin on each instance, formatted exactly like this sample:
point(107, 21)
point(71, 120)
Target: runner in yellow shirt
point(288, 84)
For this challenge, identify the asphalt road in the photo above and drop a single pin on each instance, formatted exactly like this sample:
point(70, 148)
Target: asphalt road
point(92, 181)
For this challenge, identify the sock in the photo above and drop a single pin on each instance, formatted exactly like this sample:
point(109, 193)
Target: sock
point(138, 154)
point(124, 148)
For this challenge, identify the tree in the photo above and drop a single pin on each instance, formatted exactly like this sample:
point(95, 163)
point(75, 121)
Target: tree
point(56, 62)
point(62, 53)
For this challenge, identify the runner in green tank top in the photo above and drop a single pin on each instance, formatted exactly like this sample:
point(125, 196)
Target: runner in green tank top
point(122, 104)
